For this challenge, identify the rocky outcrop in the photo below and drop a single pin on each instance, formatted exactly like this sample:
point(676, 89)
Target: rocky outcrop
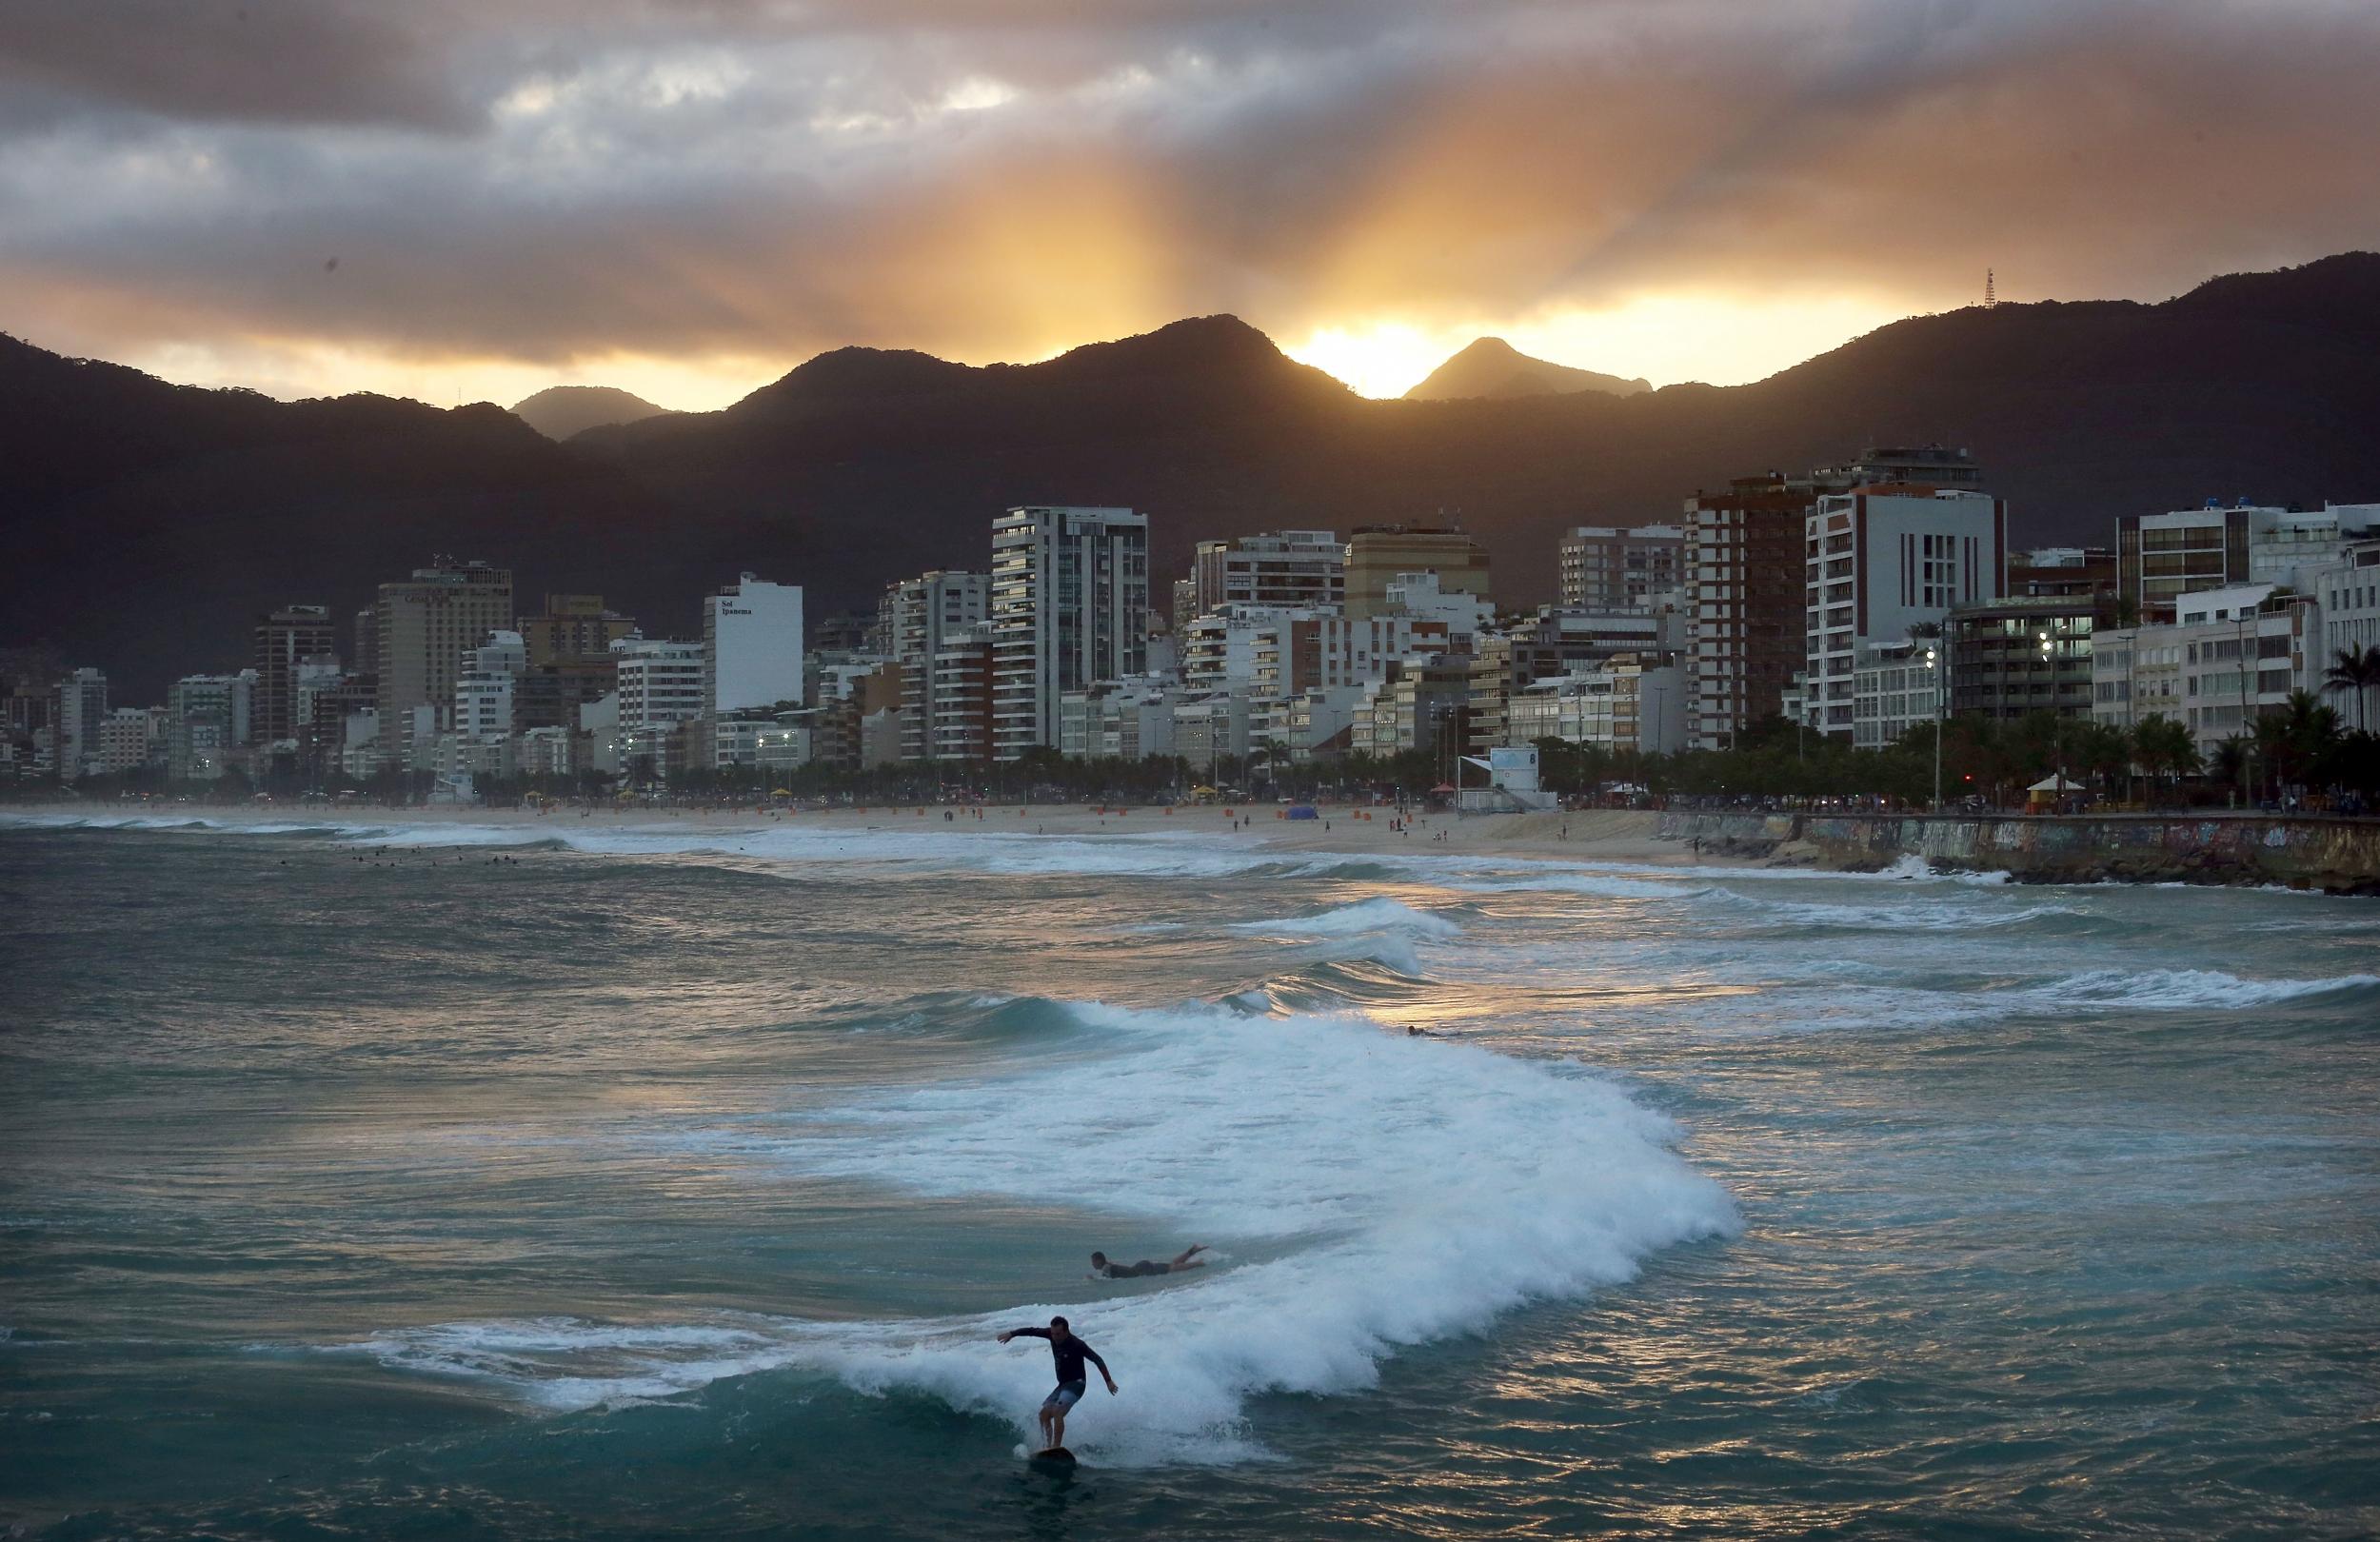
point(2341, 856)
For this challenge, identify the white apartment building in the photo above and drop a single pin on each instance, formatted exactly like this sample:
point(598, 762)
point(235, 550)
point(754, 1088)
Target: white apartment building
point(1219, 648)
point(1330, 651)
point(1618, 567)
point(483, 691)
point(1297, 568)
point(1880, 560)
point(1207, 728)
point(1118, 720)
point(1070, 602)
point(1618, 706)
point(661, 682)
point(1895, 689)
point(751, 645)
point(1425, 597)
point(2348, 592)
point(2232, 656)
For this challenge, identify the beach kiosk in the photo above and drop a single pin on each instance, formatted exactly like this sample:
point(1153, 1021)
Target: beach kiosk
point(2045, 796)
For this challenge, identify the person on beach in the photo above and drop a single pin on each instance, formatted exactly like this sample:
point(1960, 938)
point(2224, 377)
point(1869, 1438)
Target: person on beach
point(1067, 1352)
point(1187, 1258)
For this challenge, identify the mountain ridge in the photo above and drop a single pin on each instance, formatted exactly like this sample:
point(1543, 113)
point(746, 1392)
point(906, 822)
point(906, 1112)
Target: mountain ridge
point(153, 522)
point(1489, 366)
point(563, 411)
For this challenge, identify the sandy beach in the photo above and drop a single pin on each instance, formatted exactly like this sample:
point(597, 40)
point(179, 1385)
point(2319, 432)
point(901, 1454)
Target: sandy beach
point(1598, 834)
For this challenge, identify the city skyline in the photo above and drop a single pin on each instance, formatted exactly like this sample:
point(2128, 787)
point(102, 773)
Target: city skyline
point(477, 204)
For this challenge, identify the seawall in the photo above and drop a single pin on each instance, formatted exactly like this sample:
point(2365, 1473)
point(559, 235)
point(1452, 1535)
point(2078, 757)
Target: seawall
point(2341, 856)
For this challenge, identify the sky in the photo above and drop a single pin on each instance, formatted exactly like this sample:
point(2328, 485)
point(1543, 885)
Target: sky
point(463, 200)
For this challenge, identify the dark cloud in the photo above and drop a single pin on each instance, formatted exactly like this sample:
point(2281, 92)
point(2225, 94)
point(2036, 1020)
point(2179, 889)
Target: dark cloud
point(539, 179)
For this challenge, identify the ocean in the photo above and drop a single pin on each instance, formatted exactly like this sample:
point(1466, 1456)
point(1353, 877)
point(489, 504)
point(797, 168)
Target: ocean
point(460, 1182)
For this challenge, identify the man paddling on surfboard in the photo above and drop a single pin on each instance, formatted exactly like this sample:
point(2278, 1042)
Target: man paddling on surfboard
point(1101, 1268)
point(1067, 1352)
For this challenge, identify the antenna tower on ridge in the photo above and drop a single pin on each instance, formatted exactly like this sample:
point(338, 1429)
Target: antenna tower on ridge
point(1989, 298)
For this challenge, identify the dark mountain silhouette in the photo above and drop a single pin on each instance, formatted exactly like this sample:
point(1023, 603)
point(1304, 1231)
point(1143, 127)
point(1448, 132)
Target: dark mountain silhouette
point(560, 411)
point(148, 522)
point(1494, 367)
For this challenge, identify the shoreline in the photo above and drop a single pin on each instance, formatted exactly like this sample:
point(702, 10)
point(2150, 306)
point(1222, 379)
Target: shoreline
point(1590, 835)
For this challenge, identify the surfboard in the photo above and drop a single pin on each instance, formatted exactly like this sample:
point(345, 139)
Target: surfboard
point(1055, 1456)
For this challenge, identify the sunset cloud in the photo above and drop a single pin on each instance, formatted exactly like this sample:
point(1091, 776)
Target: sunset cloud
point(436, 196)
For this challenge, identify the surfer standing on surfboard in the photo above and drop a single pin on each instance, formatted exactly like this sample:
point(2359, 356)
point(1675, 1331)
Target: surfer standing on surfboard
point(1067, 1352)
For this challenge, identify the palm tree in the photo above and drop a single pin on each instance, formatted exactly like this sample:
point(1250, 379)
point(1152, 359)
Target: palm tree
point(2164, 747)
point(2357, 672)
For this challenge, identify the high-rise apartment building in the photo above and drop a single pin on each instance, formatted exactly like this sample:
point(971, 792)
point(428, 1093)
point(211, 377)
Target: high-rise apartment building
point(751, 645)
point(484, 695)
point(1750, 609)
point(661, 682)
point(366, 652)
point(1070, 603)
point(920, 618)
point(1378, 555)
point(286, 638)
point(1880, 560)
point(206, 717)
point(1616, 567)
point(573, 626)
point(1283, 568)
point(78, 711)
point(425, 626)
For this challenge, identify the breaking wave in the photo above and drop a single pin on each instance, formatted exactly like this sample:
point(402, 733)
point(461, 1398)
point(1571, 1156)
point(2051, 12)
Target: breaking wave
point(1390, 1191)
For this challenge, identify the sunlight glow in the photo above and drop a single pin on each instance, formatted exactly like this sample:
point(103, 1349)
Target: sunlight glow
point(1723, 340)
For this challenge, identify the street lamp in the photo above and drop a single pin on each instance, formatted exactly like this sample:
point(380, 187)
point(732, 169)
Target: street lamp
point(1934, 668)
point(2057, 727)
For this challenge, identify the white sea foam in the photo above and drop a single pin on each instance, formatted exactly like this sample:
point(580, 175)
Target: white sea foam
point(2183, 989)
point(1376, 914)
point(1409, 1189)
point(1894, 913)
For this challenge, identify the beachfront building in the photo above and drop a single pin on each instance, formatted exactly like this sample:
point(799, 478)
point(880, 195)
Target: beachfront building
point(423, 625)
point(1881, 562)
point(751, 646)
point(287, 642)
point(1380, 555)
point(1623, 705)
point(959, 706)
point(573, 626)
point(2232, 656)
point(1895, 688)
point(1417, 703)
point(208, 721)
point(1070, 599)
point(660, 683)
point(1301, 569)
point(920, 618)
point(484, 692)
point(79, 707)
point(1621, 567)
point(1749, 610)
point(2015, 656)
point(1119, 720)
point(2348, 592)
point(1221, 646)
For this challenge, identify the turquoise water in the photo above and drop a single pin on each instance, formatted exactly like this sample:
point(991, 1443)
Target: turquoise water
point(365, 1183)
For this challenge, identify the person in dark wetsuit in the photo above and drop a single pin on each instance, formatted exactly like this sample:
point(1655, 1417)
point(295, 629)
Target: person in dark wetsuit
point(1187, 1258)
point(1067, 1352)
